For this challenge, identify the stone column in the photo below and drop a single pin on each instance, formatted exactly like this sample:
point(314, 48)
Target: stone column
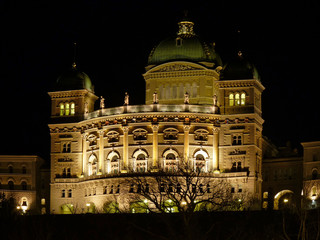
point(186, 129)
point(125, 149)
point(84, 154)
point(101, 153)
point(215, 150)
point(155, 163)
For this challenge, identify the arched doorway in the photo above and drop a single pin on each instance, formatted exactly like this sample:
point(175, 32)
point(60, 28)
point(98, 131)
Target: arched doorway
point(283, 199)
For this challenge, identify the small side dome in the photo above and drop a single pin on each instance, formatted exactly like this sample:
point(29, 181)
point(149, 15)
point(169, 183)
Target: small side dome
point(73, 79)
point(239, 68)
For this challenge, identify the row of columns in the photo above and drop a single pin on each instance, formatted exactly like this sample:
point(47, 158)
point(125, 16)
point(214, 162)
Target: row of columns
point(215, 153)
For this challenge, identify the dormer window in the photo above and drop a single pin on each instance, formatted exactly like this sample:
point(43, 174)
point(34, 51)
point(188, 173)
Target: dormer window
point(113, 136)
point(170, 134)
point(140, 134)
point(178, 41)
point(201, 135)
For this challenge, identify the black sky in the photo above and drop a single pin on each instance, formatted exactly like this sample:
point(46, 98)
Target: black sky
point(114, 39)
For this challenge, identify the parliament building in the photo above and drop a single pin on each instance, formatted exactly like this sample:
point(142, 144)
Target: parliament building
point(197, 110)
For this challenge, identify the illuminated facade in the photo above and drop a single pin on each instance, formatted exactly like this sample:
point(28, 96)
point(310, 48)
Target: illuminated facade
point(24, 184)
point(196, 110)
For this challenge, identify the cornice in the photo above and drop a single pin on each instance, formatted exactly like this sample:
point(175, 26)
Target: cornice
point(240, 83)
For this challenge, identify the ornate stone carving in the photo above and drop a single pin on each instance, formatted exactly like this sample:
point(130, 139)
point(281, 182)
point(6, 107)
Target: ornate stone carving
point(177, 67)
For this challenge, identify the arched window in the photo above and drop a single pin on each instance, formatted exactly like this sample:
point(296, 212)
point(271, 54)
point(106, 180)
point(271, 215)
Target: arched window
point(200, 161)
point(243, 99)
point(61, 109)
point(67, 109)
point(140, 161)
point(72, 108)
point(24, 185)
point(63, 193)
point(10, 169)
point(231, 99)
point(24, 170)
point(237, 99)
point(11, 185)
point(92, 165)
point(115, 164)
point(170, 160)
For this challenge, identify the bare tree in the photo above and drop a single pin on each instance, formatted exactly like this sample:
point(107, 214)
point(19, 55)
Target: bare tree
point(186, 191)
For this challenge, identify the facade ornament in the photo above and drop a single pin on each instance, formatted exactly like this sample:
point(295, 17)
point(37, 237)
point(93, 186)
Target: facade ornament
point(155, 98)
point(126, 99)
point(102, 102)
point(186, 98)
point(86, 108)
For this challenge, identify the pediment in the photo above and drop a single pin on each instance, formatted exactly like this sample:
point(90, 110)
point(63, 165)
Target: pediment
point(177, 66)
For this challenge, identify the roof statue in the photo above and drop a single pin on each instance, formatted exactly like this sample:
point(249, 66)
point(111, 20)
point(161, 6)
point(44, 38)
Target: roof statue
point(102, 102)
point(126, 99)
point(155, 98)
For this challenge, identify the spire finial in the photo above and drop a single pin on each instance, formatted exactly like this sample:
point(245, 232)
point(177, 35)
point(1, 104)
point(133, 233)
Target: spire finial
point(74, 65)
point(240, 53)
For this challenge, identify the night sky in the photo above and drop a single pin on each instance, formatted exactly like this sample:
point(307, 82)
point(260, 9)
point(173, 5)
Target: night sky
point(114, 39)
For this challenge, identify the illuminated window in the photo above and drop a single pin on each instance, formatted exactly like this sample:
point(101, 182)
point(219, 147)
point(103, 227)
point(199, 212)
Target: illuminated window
point(243, 99)
point(61, 109)
point(171, 161)
point(43, 201)
point(67, 109)
point(237, 99)
point(231, 99)
point(72, 109)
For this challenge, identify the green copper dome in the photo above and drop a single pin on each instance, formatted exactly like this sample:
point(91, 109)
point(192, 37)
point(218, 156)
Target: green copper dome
point(239, 68)
point(73, 79)
point(185, 46)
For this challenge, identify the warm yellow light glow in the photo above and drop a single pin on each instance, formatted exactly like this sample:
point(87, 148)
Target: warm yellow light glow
point(183, 203)
point(285, 200)
point(88, 204)
point(145, 201)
